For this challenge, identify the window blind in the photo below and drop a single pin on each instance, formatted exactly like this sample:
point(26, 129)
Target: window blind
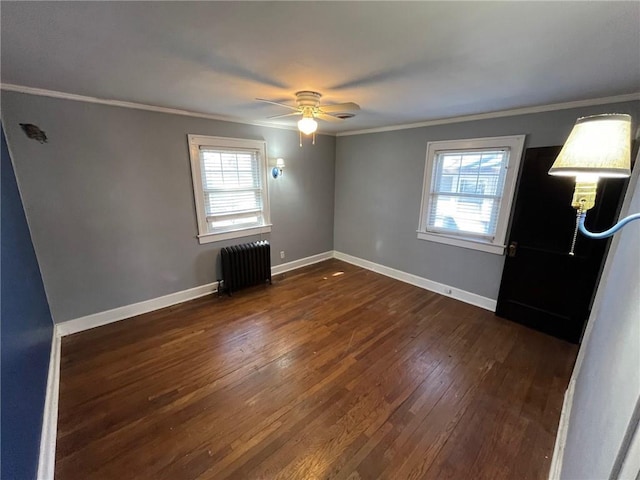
point(466, 192)
point(232, 187)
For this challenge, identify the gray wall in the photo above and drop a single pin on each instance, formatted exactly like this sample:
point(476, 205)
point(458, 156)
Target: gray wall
point(109, 200)
point(607, 375)
point(379, 186)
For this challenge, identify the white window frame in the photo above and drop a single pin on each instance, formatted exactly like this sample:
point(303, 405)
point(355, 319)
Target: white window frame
point(515, 144)
point(197, 141)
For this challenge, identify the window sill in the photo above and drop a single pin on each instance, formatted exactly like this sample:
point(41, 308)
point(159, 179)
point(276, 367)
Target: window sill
point(243, 232)
point(463, 242)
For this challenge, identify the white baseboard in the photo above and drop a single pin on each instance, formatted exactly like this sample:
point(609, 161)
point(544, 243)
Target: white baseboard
point(630, 467)
point(47, 459)
point(109, 316)
point(302, 262)
point(561, 437)
point(441, 288)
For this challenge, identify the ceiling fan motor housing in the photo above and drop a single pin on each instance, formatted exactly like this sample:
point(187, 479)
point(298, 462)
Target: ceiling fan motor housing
point(306, 98)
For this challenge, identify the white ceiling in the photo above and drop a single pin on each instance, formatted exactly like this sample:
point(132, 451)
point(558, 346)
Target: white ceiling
point(402, 62)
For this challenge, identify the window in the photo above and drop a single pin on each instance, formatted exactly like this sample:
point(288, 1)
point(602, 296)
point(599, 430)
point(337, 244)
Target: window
point(230, 187)
point(468, 189)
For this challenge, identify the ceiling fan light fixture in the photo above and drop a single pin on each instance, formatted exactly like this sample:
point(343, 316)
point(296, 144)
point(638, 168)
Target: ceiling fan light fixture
point(307, 125)
point(308, 105)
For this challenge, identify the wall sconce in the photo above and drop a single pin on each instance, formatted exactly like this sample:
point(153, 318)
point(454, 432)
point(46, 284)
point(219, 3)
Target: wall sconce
point(599, 146)
point(277, 170)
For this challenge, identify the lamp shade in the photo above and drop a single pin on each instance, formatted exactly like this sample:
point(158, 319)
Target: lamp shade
point(599, 146)
point(307, 125)
point(280, 162)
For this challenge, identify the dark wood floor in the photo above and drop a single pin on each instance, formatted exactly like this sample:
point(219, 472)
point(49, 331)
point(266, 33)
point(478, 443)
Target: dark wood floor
point(322, 375)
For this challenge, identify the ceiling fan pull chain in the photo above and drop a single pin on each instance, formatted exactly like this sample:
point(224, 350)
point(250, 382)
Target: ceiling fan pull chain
point(300, 135)
point(313, 140)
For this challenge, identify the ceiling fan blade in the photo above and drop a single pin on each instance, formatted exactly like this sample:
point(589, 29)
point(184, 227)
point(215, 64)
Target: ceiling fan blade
point(328, 118)
point(340, 107)
point(286, 115)
point(276, 103)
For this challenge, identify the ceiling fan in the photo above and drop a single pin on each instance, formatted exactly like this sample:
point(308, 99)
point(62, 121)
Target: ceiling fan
point(308, 105)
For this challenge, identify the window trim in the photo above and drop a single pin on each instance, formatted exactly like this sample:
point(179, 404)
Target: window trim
point(497, 246)
point(197, 141)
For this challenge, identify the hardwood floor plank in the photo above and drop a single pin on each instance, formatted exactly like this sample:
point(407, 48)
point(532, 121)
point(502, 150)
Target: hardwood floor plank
point(332, 372)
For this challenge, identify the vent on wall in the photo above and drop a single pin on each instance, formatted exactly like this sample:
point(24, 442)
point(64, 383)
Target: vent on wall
point(33, 132)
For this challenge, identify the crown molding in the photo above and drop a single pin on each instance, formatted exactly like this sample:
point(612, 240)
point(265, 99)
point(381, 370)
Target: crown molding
point(42, 92)
point(428, 123)
point(497, 114)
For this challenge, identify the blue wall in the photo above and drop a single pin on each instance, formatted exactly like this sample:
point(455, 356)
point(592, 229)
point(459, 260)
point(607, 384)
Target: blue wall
point(26, 330)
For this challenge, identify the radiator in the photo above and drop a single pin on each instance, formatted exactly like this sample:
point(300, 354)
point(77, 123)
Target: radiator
point(245, 265)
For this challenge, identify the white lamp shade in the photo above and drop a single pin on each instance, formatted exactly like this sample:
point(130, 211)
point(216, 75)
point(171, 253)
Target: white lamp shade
point(280, 163)
point(599, 146)
point(307, 125)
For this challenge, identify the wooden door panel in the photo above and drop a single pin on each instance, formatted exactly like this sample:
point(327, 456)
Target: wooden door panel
point(542, 285)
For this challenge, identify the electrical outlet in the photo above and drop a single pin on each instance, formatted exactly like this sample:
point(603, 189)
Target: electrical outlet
point(282, 254)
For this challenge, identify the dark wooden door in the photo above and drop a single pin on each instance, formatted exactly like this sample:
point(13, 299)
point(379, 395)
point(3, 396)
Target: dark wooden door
point(542, 286)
